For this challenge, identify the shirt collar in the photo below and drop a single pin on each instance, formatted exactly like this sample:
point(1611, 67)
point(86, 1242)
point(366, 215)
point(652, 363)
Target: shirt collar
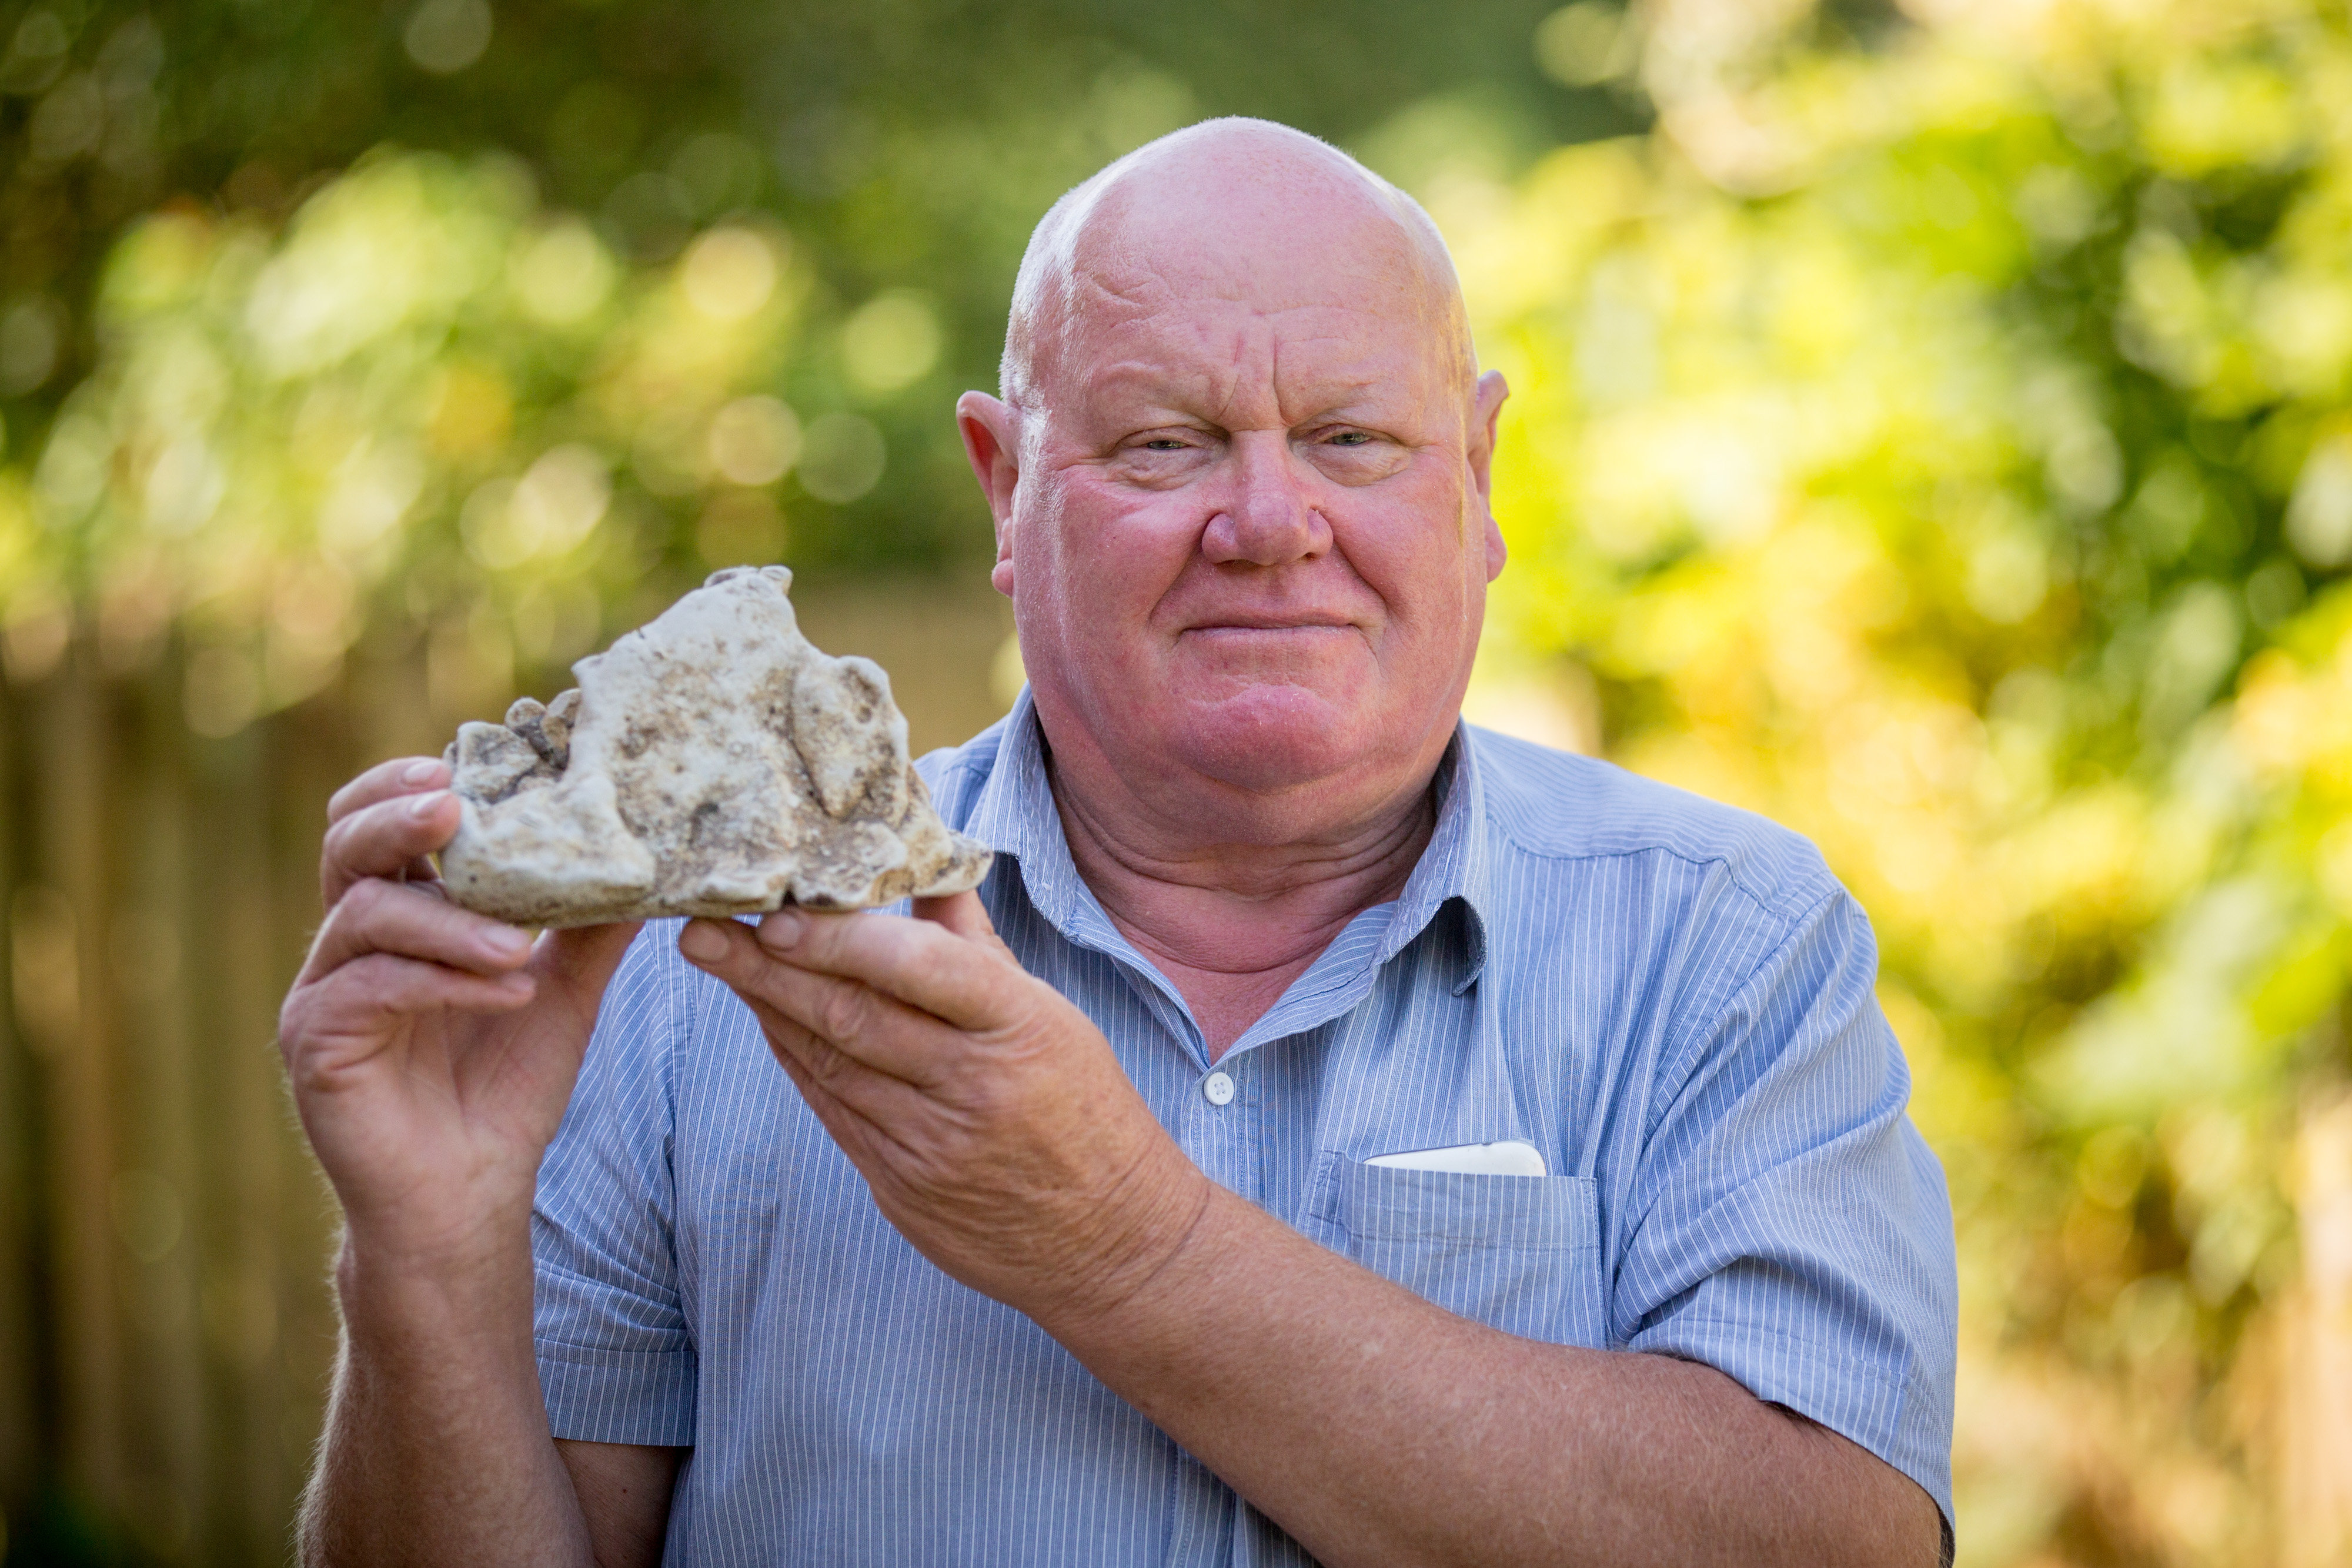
point(1457, 863)
point(1015, 815)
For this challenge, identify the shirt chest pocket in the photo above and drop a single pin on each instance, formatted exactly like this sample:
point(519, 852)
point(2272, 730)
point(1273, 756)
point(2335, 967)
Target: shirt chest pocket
point(1519, 1253)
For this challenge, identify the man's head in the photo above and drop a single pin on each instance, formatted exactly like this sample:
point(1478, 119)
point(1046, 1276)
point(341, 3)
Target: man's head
point(1287, 163)
point(1239, 469)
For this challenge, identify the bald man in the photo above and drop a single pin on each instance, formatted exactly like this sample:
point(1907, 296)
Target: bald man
point(1332, 1132)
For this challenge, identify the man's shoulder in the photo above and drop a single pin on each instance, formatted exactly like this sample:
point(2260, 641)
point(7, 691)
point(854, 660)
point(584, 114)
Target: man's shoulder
point(1559, 806)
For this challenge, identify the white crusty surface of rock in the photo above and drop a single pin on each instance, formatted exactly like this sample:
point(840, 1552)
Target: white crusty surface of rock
point(710, 762)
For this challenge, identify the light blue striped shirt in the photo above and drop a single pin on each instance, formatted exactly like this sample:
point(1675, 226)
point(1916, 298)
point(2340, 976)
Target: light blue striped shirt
point(1670, 1000)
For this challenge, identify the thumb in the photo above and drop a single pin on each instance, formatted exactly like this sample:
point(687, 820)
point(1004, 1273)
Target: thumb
point(962, 913)
point(581, 959)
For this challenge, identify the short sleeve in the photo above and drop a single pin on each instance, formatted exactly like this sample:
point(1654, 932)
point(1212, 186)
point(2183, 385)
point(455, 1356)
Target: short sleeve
point(616, 1360)
point(1789, 1225)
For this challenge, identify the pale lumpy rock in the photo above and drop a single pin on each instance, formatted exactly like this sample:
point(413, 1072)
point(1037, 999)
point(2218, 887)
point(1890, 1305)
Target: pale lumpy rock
point(710, 762)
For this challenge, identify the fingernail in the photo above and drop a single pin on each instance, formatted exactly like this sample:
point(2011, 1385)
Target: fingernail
point(784, 928)
point(505, 939)
point(426, 804)
point(702, 941)
point(420, 772)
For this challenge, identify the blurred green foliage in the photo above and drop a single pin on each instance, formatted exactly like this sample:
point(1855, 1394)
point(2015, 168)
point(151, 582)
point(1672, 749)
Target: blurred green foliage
point(1946, 448)
point(905, 148)
point(330, 276)
point(1932, 428)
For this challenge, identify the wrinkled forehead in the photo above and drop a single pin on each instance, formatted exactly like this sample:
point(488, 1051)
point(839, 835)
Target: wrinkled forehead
point(1217, 258)
point(1195, 343)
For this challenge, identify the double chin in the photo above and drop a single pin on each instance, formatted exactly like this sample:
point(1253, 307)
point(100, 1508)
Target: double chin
point(1274, 732)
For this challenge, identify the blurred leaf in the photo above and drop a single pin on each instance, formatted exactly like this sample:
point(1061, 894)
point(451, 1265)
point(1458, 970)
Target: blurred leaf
point(1930, 441)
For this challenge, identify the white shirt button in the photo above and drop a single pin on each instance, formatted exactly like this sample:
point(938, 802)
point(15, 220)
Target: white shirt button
point(1217, 1089)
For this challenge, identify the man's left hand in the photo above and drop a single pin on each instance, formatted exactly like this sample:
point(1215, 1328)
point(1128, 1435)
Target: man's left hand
point(1001, 1137)
point(990, 1116)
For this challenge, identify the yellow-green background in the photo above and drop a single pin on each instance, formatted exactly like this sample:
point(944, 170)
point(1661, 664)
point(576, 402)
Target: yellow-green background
point(1932, 427)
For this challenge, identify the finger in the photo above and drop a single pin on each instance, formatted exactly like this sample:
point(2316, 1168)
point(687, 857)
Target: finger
point(879, 1099)
point(860, 1138)
point(388, 839)
point(967, 917)
point(962, 913)
point(586, 955)
point(379, 917)
point(919, 962)
point(400, 776)
point(580, 961)
point(364, 999)
point(873, 1028)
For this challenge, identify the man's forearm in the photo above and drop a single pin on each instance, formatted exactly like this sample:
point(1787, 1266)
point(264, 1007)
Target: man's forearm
point(437, 1447)
point(1378, 1429)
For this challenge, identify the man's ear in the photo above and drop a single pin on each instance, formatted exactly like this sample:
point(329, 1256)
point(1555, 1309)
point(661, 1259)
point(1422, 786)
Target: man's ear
point(991, 444)
point(1486, 414)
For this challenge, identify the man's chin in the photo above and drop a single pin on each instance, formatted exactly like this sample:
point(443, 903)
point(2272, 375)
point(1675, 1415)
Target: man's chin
point(1273, 737)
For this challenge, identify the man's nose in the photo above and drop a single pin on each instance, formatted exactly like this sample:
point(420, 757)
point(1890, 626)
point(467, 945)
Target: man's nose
point(1268, 517)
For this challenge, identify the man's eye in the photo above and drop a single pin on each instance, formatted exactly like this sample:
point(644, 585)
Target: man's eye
point(1351, 438)
point(1164, 444)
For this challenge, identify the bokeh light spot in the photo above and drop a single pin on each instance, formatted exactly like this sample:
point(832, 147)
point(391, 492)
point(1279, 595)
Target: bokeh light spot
point(185, 487)
point(29, 342)
point(554, 506)
point(563, 275)
point(753, 439)
point(892, 341)
point(222, 693)
point(67, 122)
point(1585, 44)
point(372, 492)
point(36, 53)
point(2319, 517)
point(727, 274)
point(561, 498)
point(147, 1213)
point(445, 37)
point(841, 458)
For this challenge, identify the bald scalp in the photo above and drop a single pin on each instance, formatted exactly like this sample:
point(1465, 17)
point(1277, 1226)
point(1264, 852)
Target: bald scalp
point(1227, 161)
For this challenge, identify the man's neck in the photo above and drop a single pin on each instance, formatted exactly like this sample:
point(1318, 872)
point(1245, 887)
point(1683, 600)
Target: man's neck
point(1232, 925)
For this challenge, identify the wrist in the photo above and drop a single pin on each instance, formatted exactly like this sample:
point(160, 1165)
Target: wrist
point(1144, 1242)
point(442, 1202)
point(427, 1284)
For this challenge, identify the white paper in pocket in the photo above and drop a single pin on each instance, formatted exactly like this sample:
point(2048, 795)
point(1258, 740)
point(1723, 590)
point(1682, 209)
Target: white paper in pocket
point(1509, 1158)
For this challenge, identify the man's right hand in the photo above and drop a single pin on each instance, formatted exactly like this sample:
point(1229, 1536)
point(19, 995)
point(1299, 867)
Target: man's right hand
point(432, 1053)
point(431, 1050)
